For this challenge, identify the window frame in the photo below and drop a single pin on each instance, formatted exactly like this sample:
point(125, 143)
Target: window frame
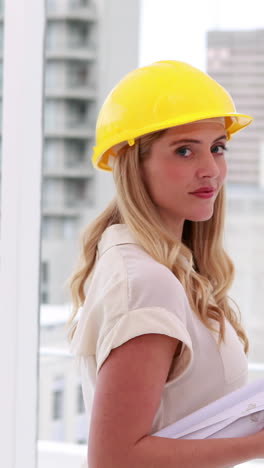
point(22, 143)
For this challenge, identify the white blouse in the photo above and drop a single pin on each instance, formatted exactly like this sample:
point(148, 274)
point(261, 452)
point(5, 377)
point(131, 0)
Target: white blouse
point(131, 294)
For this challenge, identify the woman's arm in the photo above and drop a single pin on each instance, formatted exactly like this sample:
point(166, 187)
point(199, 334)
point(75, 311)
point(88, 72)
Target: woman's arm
point(157, 452)
point(128, 392)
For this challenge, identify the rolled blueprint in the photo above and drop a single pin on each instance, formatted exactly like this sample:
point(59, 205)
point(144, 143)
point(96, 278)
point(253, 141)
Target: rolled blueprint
point(237, 414)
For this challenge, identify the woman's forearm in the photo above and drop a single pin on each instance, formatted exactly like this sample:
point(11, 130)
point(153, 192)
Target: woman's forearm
point(160, 452)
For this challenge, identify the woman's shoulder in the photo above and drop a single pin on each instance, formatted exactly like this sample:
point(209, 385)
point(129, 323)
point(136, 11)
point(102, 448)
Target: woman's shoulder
point(122, 260)
point(149, 282)
point(131, 259)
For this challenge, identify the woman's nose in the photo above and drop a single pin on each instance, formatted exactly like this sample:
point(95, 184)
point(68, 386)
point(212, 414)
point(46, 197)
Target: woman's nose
point(208, 165)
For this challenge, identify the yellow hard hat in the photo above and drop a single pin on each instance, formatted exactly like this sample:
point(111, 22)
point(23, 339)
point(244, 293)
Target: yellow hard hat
point(158, 96)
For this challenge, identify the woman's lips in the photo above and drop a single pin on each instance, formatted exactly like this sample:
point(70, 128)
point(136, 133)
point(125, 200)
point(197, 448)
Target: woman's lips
point(204, 194)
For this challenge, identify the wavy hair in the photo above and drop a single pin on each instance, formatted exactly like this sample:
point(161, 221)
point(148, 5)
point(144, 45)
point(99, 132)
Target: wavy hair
point(199, 260)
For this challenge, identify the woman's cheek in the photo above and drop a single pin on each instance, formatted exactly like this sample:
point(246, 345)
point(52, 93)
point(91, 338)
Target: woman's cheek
point(224, 170)
point(173, 172)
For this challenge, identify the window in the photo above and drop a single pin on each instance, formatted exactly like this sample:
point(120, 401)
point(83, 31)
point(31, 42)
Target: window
point(75, 192)
point(51, 4)
point(51, 228)
point(78, 3)
point(77, 34)
point(52, 152)
point(75, 154)
point(44, 297)
point(53, 76)
point(52, 193)
point(22, 214)
point(58, 395)
point(58, 409)
point(77, 74)
point(55, 36)
point(57, 404)
point(45, 272)
point(76, 114)
point(80, 402)
point(69, 228)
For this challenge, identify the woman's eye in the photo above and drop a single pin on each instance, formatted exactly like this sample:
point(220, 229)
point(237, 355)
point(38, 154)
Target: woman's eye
point(185, 152)
point(219, 149)
point(182, 151)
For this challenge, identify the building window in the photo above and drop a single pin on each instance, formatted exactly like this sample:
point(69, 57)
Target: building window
point(45, 278)
point(54, 37)
point(1, 75)
point(51, 5)
point(58, 397)
point(44, 297)
point(44, 272)
point(76, 114)
point(57, 404)
point(75, 192)
point(80, 401)
point(53, 76)
point(77, 74)
point(78, 3)
point(81, 441)
point(69, 228)
point(75, 154)
point(52, 194)
point(77, 35)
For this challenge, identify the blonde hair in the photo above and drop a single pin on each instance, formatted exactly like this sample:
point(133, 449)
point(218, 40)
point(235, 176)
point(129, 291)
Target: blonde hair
point(199, 260)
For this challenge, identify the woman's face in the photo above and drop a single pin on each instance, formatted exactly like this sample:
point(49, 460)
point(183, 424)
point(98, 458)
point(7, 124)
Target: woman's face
point(182, 160)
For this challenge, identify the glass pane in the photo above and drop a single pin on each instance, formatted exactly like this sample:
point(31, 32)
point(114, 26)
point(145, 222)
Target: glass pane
point(70, 100)
point(225, 47)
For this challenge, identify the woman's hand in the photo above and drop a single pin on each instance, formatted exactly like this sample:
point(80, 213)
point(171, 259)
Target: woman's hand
point(258, 440)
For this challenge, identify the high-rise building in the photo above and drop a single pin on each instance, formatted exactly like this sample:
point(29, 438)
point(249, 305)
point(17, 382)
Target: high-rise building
point(236, 60)
point(85, 55)
point(71, 91)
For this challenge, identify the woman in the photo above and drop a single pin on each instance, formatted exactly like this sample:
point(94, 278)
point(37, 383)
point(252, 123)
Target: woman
point(157, 338)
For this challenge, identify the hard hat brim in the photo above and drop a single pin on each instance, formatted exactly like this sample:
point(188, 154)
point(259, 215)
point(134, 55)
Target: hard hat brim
point(100, 159)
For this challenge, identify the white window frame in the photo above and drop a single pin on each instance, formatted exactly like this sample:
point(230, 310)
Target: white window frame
point(22, 141)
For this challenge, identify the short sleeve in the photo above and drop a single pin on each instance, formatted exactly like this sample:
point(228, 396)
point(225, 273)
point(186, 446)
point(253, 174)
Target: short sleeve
point(139, 322)
point(131, 295)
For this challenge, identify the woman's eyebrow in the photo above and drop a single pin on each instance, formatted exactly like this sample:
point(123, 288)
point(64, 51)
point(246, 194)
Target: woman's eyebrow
point(191, 140)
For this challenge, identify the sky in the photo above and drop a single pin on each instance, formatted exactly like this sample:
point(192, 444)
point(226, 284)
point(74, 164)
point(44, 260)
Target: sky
point(173, 29)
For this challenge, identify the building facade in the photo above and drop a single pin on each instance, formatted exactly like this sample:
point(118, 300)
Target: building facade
point(236, 60)
point(85, 55)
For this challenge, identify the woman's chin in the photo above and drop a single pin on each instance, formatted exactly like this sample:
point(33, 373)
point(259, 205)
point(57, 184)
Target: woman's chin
point(201, 216)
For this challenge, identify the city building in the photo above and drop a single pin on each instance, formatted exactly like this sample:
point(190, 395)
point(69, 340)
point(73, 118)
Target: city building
point(85, 55)
point(71, 99)
point(236, 60)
